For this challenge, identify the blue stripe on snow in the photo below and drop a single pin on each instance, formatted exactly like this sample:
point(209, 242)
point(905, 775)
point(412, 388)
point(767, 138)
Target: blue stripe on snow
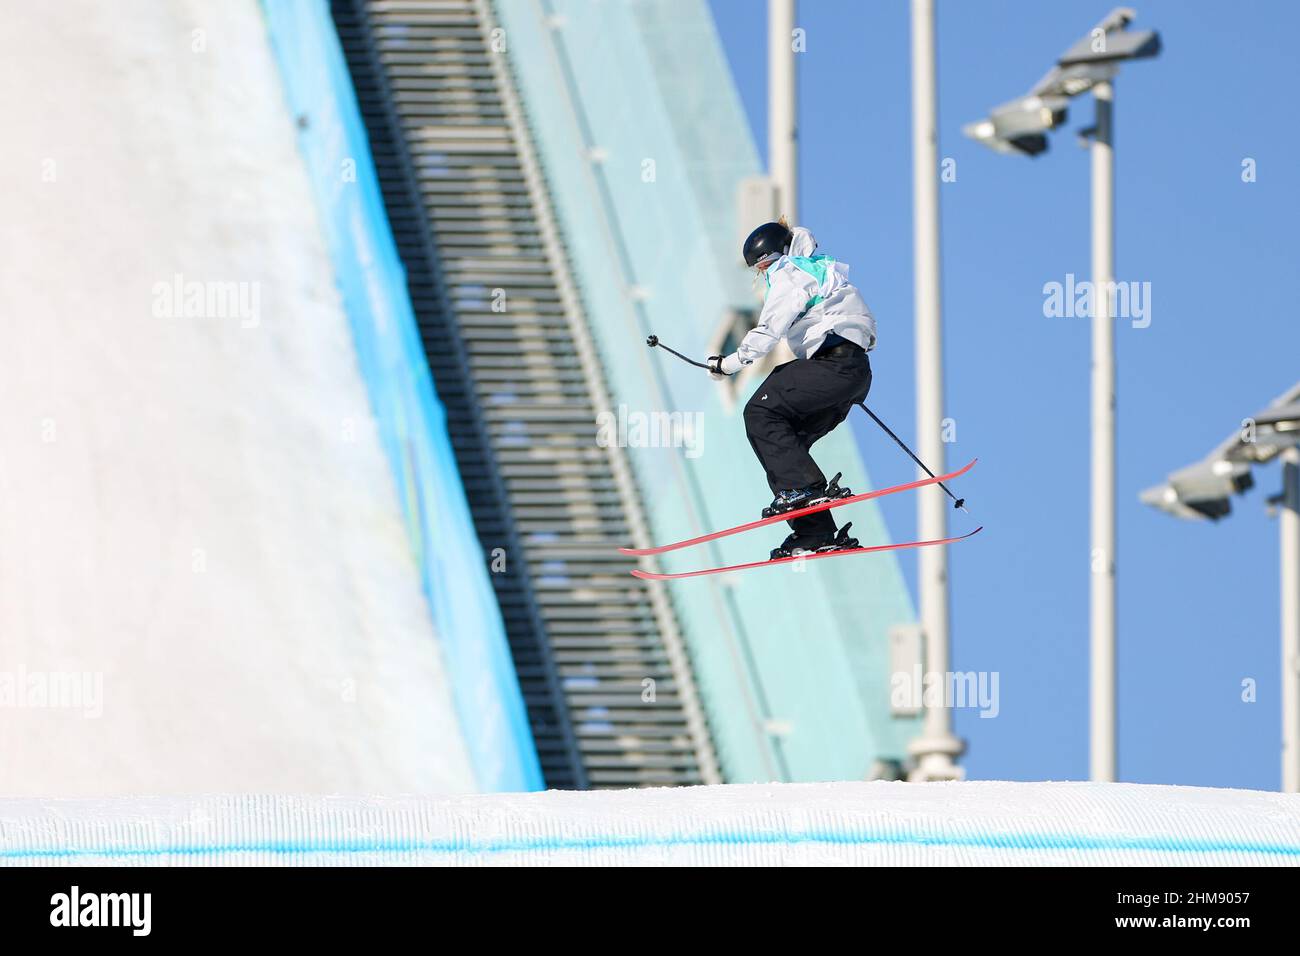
point(852, 837)
point(411, 421)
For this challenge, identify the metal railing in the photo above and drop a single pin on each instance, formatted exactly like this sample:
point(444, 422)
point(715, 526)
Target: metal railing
point(515, 367)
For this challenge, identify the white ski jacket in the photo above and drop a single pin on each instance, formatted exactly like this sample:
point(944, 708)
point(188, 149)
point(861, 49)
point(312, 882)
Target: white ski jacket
point(808, 297)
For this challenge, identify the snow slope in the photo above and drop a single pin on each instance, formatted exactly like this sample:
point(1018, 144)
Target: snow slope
point(201, 546)
point(881, 823)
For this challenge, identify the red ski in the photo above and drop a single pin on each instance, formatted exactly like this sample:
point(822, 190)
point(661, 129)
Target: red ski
point(824, 506)
point(652, 576)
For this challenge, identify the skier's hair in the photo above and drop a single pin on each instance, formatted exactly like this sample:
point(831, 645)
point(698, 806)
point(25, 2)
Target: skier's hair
point(783, 222)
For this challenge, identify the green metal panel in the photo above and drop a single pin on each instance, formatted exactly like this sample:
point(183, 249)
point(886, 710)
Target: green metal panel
point(643, 141)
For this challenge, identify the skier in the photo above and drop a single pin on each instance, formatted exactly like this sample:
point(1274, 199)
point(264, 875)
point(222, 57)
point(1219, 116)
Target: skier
point(809, 302)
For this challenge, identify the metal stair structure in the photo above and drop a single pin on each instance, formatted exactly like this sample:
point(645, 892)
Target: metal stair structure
point(514, 366)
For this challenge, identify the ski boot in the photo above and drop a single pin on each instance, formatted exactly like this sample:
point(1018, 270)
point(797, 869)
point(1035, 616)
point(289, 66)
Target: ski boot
point(815, 494)
point(800, 545)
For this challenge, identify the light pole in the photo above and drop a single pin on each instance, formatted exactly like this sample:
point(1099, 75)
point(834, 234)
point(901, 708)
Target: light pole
point(1019, 127)
point(936, 749)
point(1102, 581)
point(782, 97)
point(1205, 490)
point(1289, 529)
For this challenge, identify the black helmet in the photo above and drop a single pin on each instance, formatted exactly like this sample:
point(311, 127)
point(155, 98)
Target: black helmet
point(771, 237)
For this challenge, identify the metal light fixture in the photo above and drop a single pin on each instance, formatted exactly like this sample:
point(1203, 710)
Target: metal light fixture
point(1205, 489)
point(1020, 126)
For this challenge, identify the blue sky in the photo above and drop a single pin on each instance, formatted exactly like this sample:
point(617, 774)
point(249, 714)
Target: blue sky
point(1198, 602)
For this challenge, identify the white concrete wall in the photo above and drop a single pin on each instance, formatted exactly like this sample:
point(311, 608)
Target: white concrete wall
point(939, 824)
point(192, 509)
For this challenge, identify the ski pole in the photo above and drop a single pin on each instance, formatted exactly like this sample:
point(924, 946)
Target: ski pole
point(957, 502)
point(653, 340)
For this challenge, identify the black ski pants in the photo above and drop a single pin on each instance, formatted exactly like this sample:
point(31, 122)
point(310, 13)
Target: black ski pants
point(798, 403)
